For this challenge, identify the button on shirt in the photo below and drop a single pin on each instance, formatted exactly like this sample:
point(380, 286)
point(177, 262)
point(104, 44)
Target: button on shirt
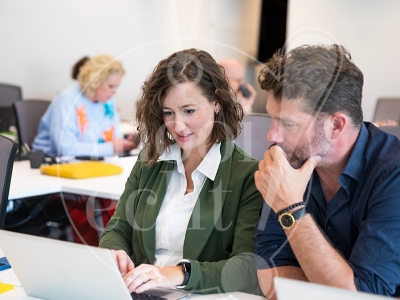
point(177, 207)
point(362, 221)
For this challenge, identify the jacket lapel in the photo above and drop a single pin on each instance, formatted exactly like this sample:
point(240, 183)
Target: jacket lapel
point(154, 195)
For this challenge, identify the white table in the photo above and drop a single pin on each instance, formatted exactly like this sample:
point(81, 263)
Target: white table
point(27, 182)
point(19, 294)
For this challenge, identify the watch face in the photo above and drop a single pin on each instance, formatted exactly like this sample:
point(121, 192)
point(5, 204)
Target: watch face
point(287, 221)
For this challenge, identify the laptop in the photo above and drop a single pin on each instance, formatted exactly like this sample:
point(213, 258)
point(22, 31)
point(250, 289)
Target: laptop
point(58, 270)
point(301, 290)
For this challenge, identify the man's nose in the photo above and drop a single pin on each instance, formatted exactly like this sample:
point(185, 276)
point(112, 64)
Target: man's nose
point(274, 134)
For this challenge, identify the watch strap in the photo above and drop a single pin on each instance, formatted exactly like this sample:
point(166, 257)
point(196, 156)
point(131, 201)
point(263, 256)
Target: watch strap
point(185, 264)
point(298, 214)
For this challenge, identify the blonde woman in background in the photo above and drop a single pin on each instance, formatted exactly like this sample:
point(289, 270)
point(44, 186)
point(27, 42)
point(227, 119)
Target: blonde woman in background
point(82, 119)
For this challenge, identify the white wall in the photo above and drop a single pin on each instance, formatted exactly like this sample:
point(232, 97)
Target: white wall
point(369, 29)
point(42, 39)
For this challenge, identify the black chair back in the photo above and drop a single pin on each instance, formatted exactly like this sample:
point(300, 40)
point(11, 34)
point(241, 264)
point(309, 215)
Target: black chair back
point(8, 149)
point(8, 95)
point(28, 114)
point(387, 109)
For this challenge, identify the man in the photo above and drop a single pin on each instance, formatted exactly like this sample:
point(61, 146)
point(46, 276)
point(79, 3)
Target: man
point(331, 182)
point(245, 93)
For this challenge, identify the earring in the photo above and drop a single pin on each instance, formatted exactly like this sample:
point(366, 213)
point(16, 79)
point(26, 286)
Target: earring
point(216, 112)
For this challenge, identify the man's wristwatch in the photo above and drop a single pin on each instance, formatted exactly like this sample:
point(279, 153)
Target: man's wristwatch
point(288, 219)
point(185, 264)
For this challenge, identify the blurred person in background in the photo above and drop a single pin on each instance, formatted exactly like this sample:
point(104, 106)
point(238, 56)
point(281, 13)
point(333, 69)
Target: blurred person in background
point(245, 92)
point(82, 119)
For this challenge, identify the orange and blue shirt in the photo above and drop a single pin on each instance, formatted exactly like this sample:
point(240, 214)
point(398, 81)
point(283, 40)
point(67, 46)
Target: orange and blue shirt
point(73, 125)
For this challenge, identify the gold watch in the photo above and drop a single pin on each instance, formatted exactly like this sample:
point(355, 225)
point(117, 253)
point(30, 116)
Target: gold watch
point(288, 219)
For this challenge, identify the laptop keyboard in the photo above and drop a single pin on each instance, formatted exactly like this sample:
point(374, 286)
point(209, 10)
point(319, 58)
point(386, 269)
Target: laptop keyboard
point(143, 296)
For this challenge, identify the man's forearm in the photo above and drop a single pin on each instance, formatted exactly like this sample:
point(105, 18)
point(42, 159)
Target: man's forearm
point(266, 276)
point(320, 262)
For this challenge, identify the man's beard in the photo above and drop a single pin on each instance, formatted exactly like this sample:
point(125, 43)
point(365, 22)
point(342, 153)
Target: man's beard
point(319, 145)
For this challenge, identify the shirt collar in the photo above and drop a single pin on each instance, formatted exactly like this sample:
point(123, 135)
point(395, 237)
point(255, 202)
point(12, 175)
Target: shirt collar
point(173, 152)
point(208, 166)
point(355, 166)
point(352, 171)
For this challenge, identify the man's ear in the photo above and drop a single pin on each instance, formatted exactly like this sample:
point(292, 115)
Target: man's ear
point(339, 122)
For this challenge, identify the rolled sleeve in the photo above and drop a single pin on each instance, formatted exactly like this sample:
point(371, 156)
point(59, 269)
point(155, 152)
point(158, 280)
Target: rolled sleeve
point(272, 248)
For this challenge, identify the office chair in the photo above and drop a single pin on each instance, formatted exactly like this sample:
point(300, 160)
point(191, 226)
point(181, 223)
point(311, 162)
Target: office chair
point(253, 138)
point(387, 109)
point(395, 130)
point(8, 95)
point(8, 149)
point(28, 114)
point(41, 215)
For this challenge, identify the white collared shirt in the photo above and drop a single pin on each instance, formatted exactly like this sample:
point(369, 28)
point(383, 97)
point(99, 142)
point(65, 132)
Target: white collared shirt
point(177, 207)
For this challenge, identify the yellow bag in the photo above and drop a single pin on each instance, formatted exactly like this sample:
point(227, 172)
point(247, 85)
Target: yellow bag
point(87, 169)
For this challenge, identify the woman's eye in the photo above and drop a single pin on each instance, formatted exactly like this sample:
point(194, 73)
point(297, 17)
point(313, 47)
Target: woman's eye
point(189, 111)
point(167, 113)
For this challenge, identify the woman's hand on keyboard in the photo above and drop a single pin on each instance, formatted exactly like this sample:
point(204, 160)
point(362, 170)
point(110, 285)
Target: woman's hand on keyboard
point(145, 277)
point(124, 262)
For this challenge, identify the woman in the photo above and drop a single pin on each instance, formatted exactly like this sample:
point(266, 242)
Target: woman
point(187, 215)
point(82, 119)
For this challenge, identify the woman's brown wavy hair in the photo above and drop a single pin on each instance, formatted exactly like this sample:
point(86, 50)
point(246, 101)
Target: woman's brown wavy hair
point(190, 65)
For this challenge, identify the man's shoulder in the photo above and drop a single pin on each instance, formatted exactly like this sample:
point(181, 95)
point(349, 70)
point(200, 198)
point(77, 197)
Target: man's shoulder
point(382, 144)
point(382, 151)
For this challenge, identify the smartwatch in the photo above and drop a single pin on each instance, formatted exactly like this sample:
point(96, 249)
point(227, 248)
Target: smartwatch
point(185, 264)
point(288, 219)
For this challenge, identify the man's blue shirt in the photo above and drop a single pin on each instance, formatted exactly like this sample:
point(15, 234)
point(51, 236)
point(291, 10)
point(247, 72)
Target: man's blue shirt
point(362, 221)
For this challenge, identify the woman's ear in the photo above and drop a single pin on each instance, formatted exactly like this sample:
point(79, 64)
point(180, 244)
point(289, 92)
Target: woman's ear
point(217, 107)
